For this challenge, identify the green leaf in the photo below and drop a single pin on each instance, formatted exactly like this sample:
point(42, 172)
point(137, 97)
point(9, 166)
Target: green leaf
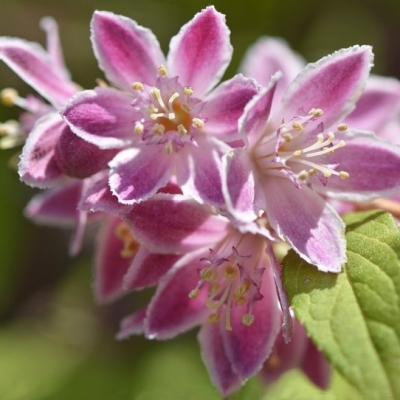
point(354, 317)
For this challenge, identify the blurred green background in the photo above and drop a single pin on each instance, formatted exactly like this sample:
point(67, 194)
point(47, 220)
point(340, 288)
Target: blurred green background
point(55, 342)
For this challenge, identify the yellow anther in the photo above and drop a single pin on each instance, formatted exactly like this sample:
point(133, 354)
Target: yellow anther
point(298, 153)
point(137, 86)
point(242, 290)
point(181, 130)
point(230, 272)
point(287, 136)
point(312, 171)
point(8, 96)
point(248, 319)
point(327, 173)
point(138, 129)
point(316, 112)
point(209, 274)
point(130, 245)
point(213, 318)
point(187, 90)
point(162, 70)
point(297, 126)
point(152, 109)
point(303, 175)
point(240, 301)
point(342, 127)
point(168, 148)
point(194, 293)
point(344, 175)
point(158, 129)
point(198, 123)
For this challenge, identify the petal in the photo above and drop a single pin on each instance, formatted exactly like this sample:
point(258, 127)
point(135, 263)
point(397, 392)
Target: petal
point(332, 84)
point(247, 347)
point(147, 269)
point(34, 66)
point(38, 166)
point(103, 116)
point(285, 356)
point(56, 207)
point(254, 120)
point(133, 324)
point(225, 106)
point(372, 163)
point(316, 366)
point(110, 265)
point(99, 198)
point(199, 171)
point(126, 52)
point(268, 56)
point(217, 363)
point(201, 51)
point(54, 50)
point(137, 174)
point(309, 225)
point(173, 224)
point(78, 158)
point(378, 104)
point(171, 311)
point(239, 185)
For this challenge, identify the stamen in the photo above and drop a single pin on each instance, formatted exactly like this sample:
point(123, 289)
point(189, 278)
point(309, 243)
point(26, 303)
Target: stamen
point(137, 86)
point(230, 272)
point(194, 293)
point(162, 70)
point(287, 136)
point(213, 318)
point(181, 130)
point(131, 246)
point(158, 129)
point(248, 319)
point(138, 129)
point(316, 112)
point(198, 123)
point(8, 96)
point(209, 274)
point(298, 153)
point(303, 175)
point(228, 325)
point(188, 91)
point(168, 148)
point(342, 127)
point(344, 175)
point(297, 126)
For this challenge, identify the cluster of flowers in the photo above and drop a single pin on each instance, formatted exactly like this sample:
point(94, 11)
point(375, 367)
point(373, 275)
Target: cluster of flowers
point(194, 186)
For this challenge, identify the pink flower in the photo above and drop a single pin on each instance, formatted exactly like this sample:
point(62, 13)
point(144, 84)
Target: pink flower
point(223, 281)
point(167, 119)
point(291, 158)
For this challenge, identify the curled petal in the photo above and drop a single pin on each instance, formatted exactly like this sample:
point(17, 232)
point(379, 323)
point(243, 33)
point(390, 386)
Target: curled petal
point(132, 324)
point(38, 166)
point(201, 51)
point(126, 52)
point(102, 116)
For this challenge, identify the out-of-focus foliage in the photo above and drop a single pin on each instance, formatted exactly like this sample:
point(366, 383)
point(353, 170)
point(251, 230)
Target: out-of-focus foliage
point(54, 341)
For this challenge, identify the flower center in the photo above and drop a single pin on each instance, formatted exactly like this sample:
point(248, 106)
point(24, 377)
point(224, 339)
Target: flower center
point(168, 114)
point(130, 245)
point(300, 154)
point(232, 281)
